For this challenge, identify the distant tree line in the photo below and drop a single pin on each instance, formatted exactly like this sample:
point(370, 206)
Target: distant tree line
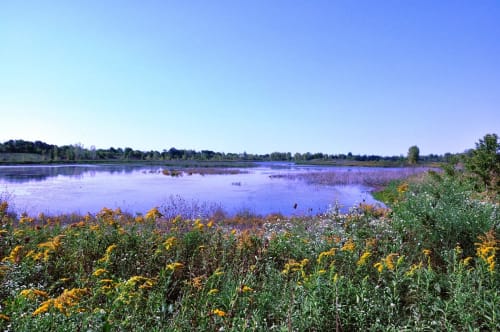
point(77, 152)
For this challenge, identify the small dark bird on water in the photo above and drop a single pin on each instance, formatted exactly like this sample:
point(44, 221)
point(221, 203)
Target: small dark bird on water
point(295, 206)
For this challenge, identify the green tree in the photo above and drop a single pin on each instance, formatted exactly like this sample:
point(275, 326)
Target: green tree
point(413, 155)
point(484, 161)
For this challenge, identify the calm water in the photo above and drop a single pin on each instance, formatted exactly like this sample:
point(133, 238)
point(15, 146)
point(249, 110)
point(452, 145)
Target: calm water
point(88, 188)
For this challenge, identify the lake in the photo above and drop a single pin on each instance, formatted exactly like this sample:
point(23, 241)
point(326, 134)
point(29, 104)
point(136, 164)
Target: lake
point(264, 189)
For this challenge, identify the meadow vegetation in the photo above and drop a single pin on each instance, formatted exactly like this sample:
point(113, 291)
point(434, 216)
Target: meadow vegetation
point(428, 262)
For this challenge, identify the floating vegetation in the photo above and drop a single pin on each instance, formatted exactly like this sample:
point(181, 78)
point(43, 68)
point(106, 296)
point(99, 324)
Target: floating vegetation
point(203, 171)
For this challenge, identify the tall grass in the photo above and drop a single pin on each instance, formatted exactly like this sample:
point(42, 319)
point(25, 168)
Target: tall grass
point(430, 263)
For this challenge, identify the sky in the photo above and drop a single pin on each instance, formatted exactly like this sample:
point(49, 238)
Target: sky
point(367, 77)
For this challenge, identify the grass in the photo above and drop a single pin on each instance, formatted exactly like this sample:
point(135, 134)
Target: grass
point(373, 178)
point(414, 267)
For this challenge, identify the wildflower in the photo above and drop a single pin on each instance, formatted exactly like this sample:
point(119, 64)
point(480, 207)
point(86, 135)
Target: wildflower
point(321, 272)
point(98, 272)
point(4, 206)
point(198, 224)
point(153, 214)
point(197, 282)
point(349, 246)
point(466, 261)
point(294, 266)
point(213, 291)
point(218, 272)
point(414, 268)
point(53, 244)
point(68, 299)
point(107, 254)
point(44, 307)
point(170, 242)
point(402, 188)
point(379, 266)
point(210, 224)
point(139, 219)
point(219, 312)
point(427, 252)
point(389, 261)
point(363, 258)
point(324, 254)
point(335, 278)
point(33, 293)
point(175, 266)
point(15, 255)
point(25, 219)
point(4, 317)
point(106, 281)
point(246, 289)
point(486, 249)
point(146, 283)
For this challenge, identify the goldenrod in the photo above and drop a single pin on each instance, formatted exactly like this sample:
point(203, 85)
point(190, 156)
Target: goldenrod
point(98, 272)
point(219, 312)
point(349, 246)
point(213, 291)
point(363, 258)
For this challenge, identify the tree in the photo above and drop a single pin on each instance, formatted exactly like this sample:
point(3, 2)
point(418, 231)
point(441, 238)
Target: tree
point(484, 161)
point(413, 155)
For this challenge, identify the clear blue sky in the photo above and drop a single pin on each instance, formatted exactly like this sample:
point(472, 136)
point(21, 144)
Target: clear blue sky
point(367, 77)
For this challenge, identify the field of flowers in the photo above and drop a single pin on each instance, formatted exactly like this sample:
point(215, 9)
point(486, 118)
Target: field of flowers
point(428, 263)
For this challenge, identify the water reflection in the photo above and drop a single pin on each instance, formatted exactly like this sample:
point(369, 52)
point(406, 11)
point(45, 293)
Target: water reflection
point(22, 174)
point(267, 188)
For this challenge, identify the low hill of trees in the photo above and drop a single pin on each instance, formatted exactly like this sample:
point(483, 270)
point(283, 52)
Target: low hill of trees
point(41, 152)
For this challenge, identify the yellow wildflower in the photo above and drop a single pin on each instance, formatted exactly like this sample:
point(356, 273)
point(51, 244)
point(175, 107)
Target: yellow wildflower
point(389, 261)
point(219, 312)
point(69, 298)
point(15, 255)
point(198, 224)
point(175, 266)
point(218, 272)
point(53, 244)
point(107, 254)
point(213, 291)
point(414, 268)
point(402, 188)
point(44, 307)
point(486, 249)
point(363, 258)
point(4, 206)
point(324, 254)
point(33, 293)
point(379, 266)
point(139, 219)
point(210, 224)
point(106, 281)
point(170, 242)
point(98, 272)
point(427, 252)
point(246, 289)
point(349, 246)
point(153, 214)
point(466, 260)
point(197, 282)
